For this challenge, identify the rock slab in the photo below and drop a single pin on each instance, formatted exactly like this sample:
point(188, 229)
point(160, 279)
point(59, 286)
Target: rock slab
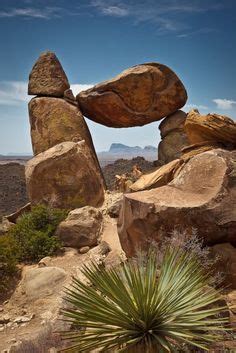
point(81, 228)
point(210, 127)
point(65, 176)
point(47, 77)
point(201, 196)
point(138, 96)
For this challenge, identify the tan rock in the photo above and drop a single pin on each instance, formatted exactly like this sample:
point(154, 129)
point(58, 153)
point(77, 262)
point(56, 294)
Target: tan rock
point(210, 127)
point(172, 122)
point(47, 77)
point(38, 283)
point(173, 136)
point(53, 121)
point(202, 196)
point(138, 96)
point(19, 212)
point(170, 147)
point(81, 228)
point(226, 263)
point(65, 176)
point(159, 177)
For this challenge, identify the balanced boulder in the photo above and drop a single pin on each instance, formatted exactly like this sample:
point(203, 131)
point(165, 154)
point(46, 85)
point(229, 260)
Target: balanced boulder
point(138, 96)
point(65, 176)
point(201, 196)
point(53, 120)
point(47, 77)
point(210, 127)
point(81, 228)
point(173, 136)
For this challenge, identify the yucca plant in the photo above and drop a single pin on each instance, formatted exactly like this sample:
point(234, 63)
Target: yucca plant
point(136, 308)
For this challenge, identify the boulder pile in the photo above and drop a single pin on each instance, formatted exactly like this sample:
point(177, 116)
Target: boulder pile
point(65, 171)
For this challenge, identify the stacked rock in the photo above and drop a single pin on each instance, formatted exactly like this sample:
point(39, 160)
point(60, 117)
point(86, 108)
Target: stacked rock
point(65, 171)
point(173, 135)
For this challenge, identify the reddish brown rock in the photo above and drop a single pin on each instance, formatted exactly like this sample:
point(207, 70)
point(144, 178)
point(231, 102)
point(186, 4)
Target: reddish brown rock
point(65, 176)
point(138, 96)
point(81, 228)
point(173, 136)
point(210, 127)
point(202, 196)
point(47, 77)
point(53, 120)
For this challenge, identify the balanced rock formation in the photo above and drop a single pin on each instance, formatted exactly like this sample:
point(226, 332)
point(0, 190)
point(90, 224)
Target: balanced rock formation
point(201, 196)
point(47, 77)
point(65, 176)
point(173, 136)
point(54, 120)
point(210, 127)
point(81, 228)
point(138, 96)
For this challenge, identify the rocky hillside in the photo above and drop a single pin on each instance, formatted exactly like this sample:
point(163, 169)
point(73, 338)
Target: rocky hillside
point(12, 187)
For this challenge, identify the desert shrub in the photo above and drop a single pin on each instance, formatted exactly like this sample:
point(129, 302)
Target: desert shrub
point(137, 307)
point(8, 261)
point(34, 233)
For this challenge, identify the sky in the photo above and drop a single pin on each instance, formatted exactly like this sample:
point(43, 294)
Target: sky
point(97, 39)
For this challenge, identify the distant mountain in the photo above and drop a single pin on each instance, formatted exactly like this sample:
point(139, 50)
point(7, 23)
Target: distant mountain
point(119, 148)
point(121, 151)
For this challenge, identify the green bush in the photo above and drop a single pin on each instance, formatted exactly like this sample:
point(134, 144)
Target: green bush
point(34, 233)
point(8, 261)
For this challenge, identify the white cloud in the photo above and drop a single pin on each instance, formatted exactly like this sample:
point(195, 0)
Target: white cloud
point(76, 88)
point(190, 106)
point(15, 92)
point(31, 12)
point(115, 11)
point(167, 15)
point(226, 104)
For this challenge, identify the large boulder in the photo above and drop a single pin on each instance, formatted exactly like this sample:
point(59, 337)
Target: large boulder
point(47, 77)
point(210, 127)
point(53, 121)
point(81, 228)
point(173, 136)
point(138, 96)
point(201, 196)
point(65, 176)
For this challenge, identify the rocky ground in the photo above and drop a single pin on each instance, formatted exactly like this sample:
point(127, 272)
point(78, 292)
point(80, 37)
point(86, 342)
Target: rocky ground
point(32, 312)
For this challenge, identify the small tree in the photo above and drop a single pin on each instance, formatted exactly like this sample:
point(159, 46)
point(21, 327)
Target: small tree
point(136, 308)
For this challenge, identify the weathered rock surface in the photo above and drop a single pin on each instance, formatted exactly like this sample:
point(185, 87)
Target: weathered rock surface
point(227, 262)
point(81, 228)
point(53, 121)
point(138, 96)
point(42, 281)
point(159, 177)
point(47, 77)
point(201, 196)
point(65, 176)
point(210, 127)
point(174, 138)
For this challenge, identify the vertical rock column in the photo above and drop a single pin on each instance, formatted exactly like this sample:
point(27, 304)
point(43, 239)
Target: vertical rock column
point(55, 119)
